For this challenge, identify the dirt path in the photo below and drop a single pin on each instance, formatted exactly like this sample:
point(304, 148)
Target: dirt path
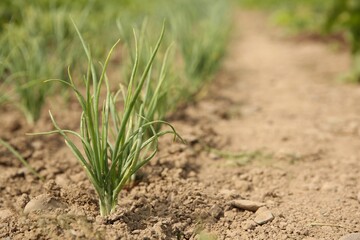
point(303, 128)
point(275, 103)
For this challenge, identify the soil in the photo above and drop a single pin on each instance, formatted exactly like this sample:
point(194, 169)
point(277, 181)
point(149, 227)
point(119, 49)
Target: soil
point(276, 129)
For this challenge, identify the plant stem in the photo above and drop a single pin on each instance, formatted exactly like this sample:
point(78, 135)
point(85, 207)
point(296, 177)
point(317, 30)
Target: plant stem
point(106, 204)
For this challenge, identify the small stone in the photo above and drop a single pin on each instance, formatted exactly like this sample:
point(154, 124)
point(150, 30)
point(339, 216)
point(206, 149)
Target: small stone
point(263, 215)
point(216, 211)
point(247, 205)
point(351, 236)
point(358, 197)
point(43, 202)
point(248, 225)
point(136, 231)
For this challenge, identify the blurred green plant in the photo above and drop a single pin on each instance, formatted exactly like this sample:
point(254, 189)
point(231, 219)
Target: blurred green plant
point(39, 43)
point(296, 16)
point(344, 16)
point(199, 31)
point(201, 36)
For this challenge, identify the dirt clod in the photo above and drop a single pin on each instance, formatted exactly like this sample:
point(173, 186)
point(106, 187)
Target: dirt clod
point(43, 202)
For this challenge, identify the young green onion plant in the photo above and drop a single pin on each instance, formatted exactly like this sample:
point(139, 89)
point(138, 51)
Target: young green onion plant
point(202, 37)
point(113, 141)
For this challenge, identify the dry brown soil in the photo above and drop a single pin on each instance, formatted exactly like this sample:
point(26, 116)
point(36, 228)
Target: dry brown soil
point(275, 128)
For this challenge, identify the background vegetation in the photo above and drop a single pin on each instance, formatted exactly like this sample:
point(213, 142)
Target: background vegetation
point(39, 42)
